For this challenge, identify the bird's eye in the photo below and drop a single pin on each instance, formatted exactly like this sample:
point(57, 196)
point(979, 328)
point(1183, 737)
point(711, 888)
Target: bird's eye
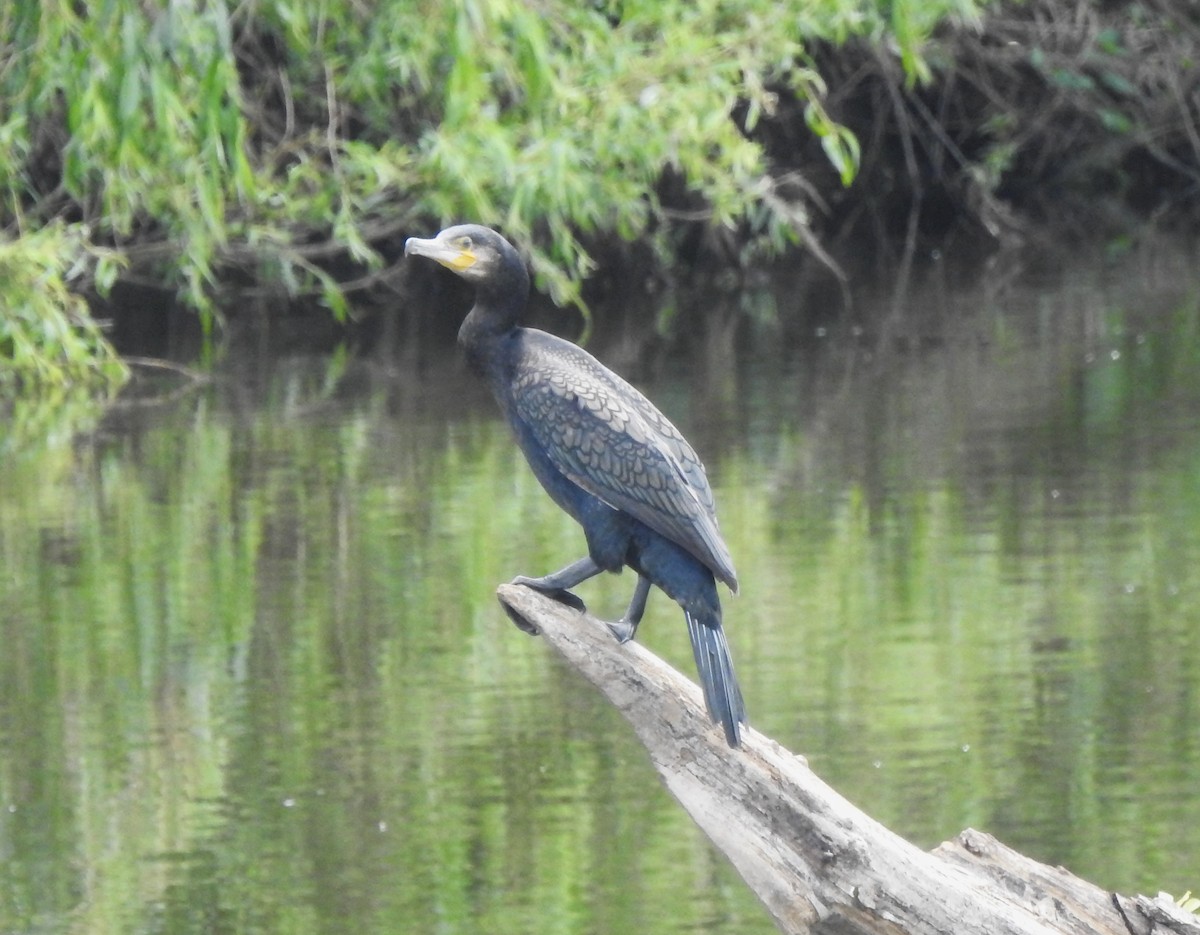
point(464, 243)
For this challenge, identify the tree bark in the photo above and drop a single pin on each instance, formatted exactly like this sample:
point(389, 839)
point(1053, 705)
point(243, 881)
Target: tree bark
point(817, 863)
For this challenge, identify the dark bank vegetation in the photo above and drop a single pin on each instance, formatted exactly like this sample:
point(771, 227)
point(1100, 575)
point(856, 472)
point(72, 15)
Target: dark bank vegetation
point(283, 149)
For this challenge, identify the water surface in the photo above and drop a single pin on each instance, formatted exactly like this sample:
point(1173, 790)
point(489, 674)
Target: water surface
point(255, 679)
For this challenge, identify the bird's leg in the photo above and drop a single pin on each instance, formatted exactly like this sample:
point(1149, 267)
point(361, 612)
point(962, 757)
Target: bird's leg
point(626, 627)
point(558, 584)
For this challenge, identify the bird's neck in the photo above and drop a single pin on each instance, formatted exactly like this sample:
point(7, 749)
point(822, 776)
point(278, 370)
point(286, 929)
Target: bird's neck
point(493, 320)
point(484, 336)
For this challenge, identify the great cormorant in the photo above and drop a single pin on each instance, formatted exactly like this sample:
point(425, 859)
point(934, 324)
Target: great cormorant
point(605, 454)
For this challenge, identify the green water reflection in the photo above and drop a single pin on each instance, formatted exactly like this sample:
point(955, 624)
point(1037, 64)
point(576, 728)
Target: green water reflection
point(254, 679)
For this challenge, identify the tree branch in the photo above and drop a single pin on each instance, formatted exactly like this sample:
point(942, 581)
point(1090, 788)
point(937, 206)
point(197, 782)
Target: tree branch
point(816, 862)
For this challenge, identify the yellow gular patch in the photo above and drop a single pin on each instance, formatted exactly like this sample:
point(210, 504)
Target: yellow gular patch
point(464, 259)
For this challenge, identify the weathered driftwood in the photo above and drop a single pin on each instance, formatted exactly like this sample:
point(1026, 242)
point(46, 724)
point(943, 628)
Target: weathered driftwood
point(818, 863)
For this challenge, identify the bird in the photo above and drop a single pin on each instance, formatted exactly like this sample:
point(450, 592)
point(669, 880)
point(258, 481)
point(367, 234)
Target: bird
point(606, 456)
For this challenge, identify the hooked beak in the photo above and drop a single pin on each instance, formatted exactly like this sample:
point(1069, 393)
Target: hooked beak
point(449, 255)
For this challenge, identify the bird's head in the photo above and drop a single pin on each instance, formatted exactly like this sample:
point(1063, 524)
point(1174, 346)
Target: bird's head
point(474, 252)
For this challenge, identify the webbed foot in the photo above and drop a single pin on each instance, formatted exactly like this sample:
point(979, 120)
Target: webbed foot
point(622, 629)
point(562, 595)
point(558, 584)
point(523, 623)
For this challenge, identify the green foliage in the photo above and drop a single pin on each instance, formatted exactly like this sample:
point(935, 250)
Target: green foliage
point(47, 337)
point(145, 111)
point(272, 137)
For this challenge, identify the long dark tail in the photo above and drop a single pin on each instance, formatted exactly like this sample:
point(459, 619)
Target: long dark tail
point(722, 696)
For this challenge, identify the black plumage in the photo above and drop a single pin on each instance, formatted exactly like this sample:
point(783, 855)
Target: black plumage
point(605, 454)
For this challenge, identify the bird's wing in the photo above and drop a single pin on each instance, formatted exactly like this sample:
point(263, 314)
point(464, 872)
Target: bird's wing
point(689, 462)
point(591, 370)
point(621, 449)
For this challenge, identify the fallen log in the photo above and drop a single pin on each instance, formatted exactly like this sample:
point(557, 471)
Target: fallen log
point(817, 863)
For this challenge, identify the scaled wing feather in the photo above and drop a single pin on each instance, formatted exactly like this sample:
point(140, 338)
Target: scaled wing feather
point(615, 444)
